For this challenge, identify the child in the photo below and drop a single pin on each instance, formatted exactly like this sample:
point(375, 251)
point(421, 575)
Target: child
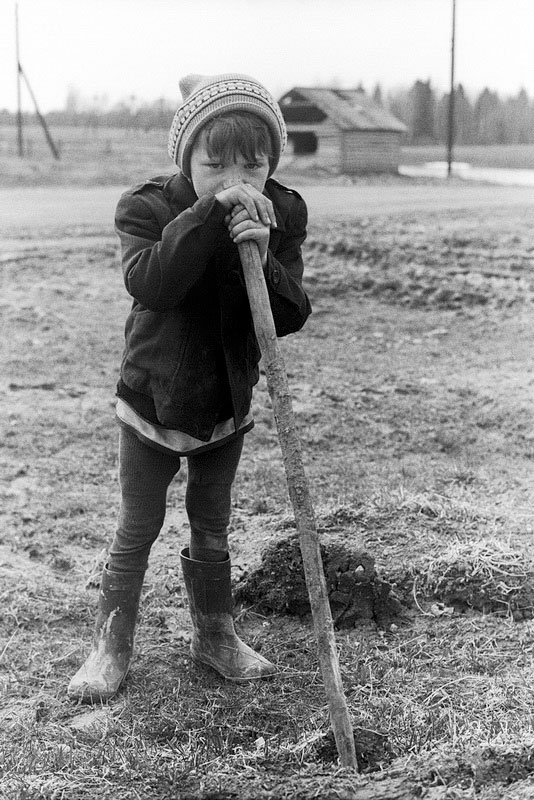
point(191, 360)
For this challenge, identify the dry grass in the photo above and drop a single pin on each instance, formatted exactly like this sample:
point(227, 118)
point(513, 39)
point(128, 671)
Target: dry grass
point(488, 576)
point(456, 683)
point(88, 156)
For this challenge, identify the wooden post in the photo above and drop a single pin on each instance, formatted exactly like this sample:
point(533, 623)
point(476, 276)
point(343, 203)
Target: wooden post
point(19, 101)
point(299, 494)
point(40, 117)
point(450, 133)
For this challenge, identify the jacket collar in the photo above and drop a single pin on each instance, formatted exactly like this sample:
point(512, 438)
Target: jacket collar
point(179, 193)
point(280, 220)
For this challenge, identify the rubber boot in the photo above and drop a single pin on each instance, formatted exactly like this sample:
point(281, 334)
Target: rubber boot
point(215, 641)
point(104, 670)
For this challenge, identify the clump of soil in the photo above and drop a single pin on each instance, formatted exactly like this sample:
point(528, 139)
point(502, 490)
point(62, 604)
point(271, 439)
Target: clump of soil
point(494, 766)
point(481, 576)
point(355, 591)
point(372, 747)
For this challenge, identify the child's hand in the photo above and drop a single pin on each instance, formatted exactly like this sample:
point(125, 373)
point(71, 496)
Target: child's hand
point(258, 207)
point(242, 229)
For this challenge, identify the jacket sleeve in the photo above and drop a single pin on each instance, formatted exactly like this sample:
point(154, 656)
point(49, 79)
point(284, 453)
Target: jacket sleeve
point(290, 304)
point(160, 266)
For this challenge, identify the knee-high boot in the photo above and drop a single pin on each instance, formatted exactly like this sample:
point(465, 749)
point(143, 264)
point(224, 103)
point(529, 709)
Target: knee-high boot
point(215, 641)
point(104, 670)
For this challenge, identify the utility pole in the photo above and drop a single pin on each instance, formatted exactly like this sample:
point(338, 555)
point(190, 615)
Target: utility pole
point(22, 74)
point(451, 96)
point(19, 106)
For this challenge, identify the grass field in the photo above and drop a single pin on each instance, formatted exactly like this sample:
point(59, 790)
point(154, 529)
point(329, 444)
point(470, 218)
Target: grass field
point(87, 156)
point(412, 386)
point(114, 156)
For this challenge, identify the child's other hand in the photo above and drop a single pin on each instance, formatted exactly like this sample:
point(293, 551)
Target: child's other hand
point(258, 207)
point(242, 229)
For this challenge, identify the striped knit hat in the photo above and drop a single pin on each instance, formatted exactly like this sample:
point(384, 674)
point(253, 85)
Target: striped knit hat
point(206, 97)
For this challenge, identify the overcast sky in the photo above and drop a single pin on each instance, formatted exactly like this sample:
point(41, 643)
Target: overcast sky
point(119, 48)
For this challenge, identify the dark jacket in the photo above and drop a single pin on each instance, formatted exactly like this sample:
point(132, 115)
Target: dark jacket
point(191, 355)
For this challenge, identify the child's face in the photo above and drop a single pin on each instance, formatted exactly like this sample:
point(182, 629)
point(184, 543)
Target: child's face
point(210, 175)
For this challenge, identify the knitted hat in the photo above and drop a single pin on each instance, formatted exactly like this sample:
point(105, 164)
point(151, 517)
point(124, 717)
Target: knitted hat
point(206, 97)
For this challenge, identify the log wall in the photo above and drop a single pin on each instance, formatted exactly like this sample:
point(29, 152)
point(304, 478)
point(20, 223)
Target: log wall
point(353, 152)
point(370, 151)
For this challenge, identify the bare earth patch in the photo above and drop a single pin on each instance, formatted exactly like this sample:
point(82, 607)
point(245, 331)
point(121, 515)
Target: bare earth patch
point(412, 389)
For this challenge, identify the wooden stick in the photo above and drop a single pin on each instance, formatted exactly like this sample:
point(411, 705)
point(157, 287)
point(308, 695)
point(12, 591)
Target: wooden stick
point(299, 494)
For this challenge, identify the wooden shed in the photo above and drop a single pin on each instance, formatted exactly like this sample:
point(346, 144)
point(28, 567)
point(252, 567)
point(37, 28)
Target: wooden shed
point(344, 129)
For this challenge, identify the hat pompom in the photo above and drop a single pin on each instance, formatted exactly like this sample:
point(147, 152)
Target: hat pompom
point(189, 83)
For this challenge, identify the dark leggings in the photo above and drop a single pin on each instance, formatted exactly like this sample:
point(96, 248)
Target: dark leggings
point(145, 475)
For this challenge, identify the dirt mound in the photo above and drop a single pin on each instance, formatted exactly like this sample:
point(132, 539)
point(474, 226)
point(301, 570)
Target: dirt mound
point(486, 577)
point(355, 591)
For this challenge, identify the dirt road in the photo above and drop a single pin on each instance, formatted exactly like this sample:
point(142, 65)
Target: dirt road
point(51, 206)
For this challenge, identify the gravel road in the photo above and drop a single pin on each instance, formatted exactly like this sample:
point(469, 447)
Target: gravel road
point(50, 206)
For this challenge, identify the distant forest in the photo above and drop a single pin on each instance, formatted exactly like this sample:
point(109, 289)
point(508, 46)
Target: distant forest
point(481, 120)
point(485, 119)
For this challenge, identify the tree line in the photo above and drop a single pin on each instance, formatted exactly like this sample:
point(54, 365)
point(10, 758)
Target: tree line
point(483, 119)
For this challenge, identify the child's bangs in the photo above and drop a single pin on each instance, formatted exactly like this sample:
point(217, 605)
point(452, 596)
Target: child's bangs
point(233, 134)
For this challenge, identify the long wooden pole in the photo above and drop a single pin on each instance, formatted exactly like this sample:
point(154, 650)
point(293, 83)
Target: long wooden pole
point(299, 494)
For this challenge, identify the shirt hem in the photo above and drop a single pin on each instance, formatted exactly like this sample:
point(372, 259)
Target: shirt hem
point(175, 442)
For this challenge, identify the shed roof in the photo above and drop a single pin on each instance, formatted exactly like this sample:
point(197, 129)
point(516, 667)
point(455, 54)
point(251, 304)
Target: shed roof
point(349, 109)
